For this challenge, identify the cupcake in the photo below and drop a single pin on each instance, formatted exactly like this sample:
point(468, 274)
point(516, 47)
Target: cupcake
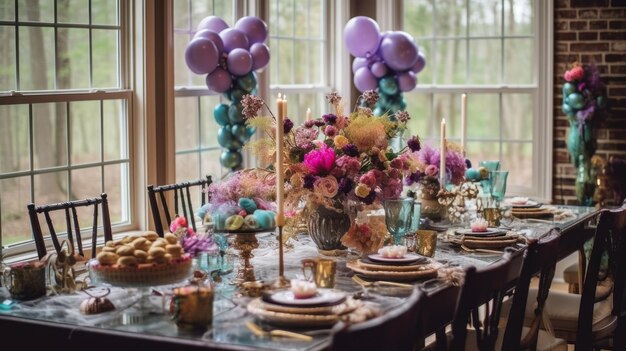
point(479, 225)
point(303, 289)
point(392, 251)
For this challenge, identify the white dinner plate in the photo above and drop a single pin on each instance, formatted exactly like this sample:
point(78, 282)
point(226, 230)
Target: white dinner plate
point(528, 204)
point(407, 258)
point(489, 232)
point(324, 297)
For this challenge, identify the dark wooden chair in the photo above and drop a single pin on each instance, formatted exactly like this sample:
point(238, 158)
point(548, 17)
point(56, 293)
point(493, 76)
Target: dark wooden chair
point(539, 257)
point(71, 222)
point(486, 288)
point(440, 302)
point(182, 195)
point(393, 331)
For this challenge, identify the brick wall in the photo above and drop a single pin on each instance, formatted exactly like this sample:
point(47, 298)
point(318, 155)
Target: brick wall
point(589, 31)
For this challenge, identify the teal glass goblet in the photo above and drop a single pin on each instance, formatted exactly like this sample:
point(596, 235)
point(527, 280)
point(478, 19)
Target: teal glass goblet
point(491, 166)
point(398, 216)
point(498, 184)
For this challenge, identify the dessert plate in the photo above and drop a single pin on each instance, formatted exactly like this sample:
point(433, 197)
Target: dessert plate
point(324, 297)
point(528, 204)
point(408, 258)
point(489, 232)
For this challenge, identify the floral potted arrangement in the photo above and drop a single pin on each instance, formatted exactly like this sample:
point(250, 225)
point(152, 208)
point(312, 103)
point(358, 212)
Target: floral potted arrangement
point(336, 164)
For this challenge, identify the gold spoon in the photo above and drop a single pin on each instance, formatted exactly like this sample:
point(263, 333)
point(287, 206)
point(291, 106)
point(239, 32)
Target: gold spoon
point(256, 330)
point(364, 283)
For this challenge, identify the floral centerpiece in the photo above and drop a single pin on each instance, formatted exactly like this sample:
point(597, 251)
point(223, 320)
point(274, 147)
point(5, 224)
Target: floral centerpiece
point(336, 163)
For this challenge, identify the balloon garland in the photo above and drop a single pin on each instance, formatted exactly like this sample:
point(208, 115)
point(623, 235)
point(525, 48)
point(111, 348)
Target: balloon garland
point(388, 62)
point(229, 57)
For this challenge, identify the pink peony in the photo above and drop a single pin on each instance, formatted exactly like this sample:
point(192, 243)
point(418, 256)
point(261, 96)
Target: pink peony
point(320, 161)
point(576, 73)
point(431, 171)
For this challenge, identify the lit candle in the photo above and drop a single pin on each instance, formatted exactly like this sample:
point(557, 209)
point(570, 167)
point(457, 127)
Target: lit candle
point(280, 182)
point(442, 161)
point(463, 121)
point(308, 114)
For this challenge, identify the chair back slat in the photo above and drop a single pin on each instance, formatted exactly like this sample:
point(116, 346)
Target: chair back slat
point(183, 205)
point(94, 231)
point(438, 310)
point(79, 240)
point(53, 234)
point(68, 225)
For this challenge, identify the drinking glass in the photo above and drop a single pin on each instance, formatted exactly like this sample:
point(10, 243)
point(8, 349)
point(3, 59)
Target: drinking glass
point(398, 213)
point(498, 184)
point(491, 166)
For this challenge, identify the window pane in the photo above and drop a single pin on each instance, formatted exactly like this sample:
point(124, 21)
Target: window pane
point(518, 61)
point(203, 8)
point(15, 196)
point(85, 129)
point(451, 18)
point(115, 125)
point(451, 61)
point(426, 75)
point(517, 111)
point(14, 137)
point(116, 188)
point(518, 161)
point(105, 58)
point(485, 17)
point(485, 61)
point(7, 59)
point(73, 11)
point(36, 10)
point(181, 14)
point(482, 151)
point(72, 58)
point(104, 11)
point(314, 64)
point(419, 107)
point(316, 13)
point(187, 123)
point(187, 166)
point(211, 164)
point(50, 135)
point(182, 74)
point(418, 18)
point(36, 55)
point(7, 10)
point(282, 14)
point(483, 114)
point(284, 60)
point(518, 17)
point(207, 121)
point(86, 183)
point(51, 188)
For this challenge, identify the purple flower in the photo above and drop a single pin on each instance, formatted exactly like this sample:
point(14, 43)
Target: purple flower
point(309, 124)
point(345, 185)
point(287, 125)
point(309, 181)
point(319, 123)
point(414, 143)
point(320, 161)
point(369, 199)
point(305, 136)
point(413, 178)
point(251, 105)
point(333, 98)
point(330, 131)
point(350, 150)
point(402, 116)
point(329, 118)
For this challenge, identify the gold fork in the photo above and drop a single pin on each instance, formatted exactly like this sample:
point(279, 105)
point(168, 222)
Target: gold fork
point(481, 250)
point(364, 283)
point(256, 330)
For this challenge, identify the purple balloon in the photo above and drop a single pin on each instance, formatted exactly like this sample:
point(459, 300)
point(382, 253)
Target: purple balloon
point(254, 27)
point(239, 62)
point(234, 38)
point(407, 81)
point(420, 63)
point(358, 63)
point(379, 69)
point(399, 51)
point(362, 36)
point(201, 56)
point(213, 23)
point(213, 37)
point(364, 80)
point(260, 55)
point(219, 80)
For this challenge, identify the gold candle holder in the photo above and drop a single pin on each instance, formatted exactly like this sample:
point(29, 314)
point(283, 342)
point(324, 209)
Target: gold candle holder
point(426, 242)
point(281, 282)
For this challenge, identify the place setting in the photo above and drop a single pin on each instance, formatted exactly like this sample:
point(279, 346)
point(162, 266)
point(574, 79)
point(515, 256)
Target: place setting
point(395, 264)
point(482, 238)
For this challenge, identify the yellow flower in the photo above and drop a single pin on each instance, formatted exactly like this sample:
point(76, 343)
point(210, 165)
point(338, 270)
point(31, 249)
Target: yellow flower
point(297, 180)
point(362, 190)
point(341, 141)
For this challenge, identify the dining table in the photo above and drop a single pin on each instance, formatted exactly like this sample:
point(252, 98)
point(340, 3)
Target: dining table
point(144, 321)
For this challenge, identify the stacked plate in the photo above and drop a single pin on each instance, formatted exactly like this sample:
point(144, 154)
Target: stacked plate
point(493, 238)
point(283, 308)
point(411, 267)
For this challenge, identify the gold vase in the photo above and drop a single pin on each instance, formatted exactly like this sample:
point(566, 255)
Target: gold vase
point(431, 208)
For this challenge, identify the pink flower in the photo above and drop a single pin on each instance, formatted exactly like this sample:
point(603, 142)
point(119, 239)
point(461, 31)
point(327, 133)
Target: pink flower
point(576, 73)
point(350, 166)
point(330, 131)
point(369, 179)
point(397, 163)
point(567, 76)
point(326, 186)
point(320, 161)
point(178, 222)
point(392, 188)
point(431, 171)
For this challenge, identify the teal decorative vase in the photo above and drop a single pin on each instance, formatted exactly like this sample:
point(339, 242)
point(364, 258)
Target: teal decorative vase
point(581, 145)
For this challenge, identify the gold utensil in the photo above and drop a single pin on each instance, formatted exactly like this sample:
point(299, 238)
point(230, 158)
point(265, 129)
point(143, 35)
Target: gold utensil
point(364, 283)
point(256, 330)
point(465, 248)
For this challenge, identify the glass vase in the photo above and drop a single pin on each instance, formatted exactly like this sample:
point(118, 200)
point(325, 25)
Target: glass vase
point(327, 226)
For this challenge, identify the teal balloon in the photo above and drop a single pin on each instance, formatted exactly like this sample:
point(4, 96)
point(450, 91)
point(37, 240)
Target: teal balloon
point(402, 104)
point(250, 131)
point(568, 88)
point(227, 140)
point(231, 159)
point(240, 132)
point(235, 113)
point(472, 174)
point(226, 95)
point(378, 111)
point(236, 95)
point(568, 110)
point(576, 101)
point(247, 82)
point(388, 85)
point(220, 113)
point(601, 101)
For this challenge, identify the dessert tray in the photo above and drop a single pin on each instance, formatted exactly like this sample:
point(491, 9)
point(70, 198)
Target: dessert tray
point(145, 274)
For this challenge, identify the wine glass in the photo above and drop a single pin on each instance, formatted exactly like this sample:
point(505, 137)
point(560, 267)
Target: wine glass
point(498, 184)
point(398, 213)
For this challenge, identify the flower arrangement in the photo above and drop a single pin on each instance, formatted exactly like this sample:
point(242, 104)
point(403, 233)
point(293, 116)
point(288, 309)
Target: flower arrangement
point(191, 242)
point(424, 163)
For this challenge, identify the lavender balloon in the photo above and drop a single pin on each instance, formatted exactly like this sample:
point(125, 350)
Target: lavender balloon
point(219, 80)
point(213, 23)
point(407, 81)
point(362, 36)
point(399, 51)
point(201, 56)
point(254, 28)
point(420, 63)
point(358, 63)
point(260, 55)
point(239, 62)
point(379, 69)
point(365, 80)
point(234, 38)
point(213, 37)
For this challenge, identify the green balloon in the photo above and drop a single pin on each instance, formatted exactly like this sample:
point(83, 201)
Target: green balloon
point(227, 96)
point(250, 131)
point(231, 159)
point(378, 111)
point(227, 140)
point(568, 88)
point(567, 109)
point(402, 104)
point(237, 94)
point(388, 85)
point(240, 132)
point(220, 112)
point(576, 100)
point(235, 113)
point(247, 82)
point(601, 101)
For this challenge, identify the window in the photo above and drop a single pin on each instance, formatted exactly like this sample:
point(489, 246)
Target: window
point(63, 110)
point(491, 50)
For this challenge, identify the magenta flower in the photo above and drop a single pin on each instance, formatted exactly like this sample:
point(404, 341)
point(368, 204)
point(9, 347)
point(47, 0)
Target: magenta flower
point(320, 161)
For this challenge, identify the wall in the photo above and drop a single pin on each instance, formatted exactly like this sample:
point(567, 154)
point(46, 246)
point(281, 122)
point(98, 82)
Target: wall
point(589, 31)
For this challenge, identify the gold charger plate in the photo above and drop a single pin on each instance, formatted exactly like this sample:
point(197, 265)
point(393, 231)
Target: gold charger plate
point(489, 244)
point(426, 271)
point(390, 268)
point(256, 307)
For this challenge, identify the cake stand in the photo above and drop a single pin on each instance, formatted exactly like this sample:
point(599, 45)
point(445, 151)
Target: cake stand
point(245, 241)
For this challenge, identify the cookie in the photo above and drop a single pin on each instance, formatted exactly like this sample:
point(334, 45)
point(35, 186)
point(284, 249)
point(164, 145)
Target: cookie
point(127, 261)
point(107, 258)
point(156, 251)
point(171, 238)
point(150, 235)
point(125, 250)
